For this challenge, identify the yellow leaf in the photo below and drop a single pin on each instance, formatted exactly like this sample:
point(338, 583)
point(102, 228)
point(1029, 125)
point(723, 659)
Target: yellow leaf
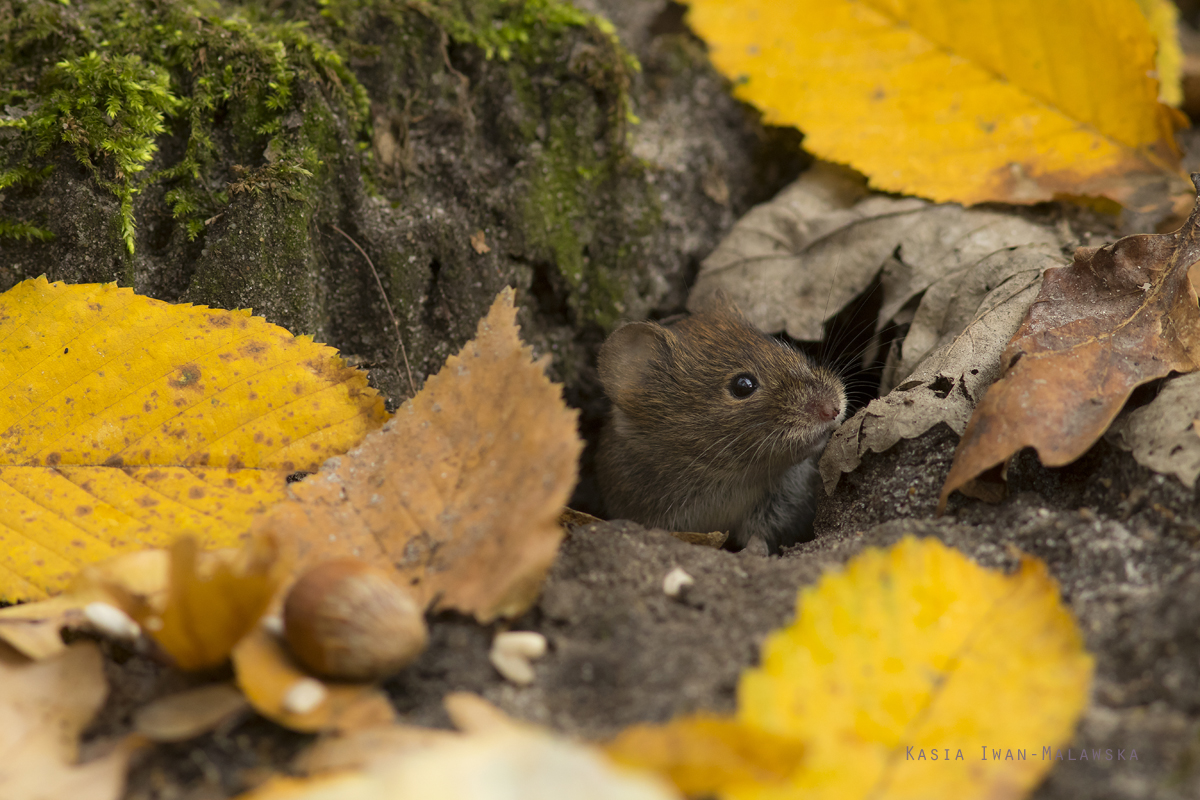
point(460, 493)
point(1163, 17)
point(44, 707)
point(994, 100)
point(703, 754)
point(197, 606)
point(127, 421)
point(919, 647)
point(906, 653)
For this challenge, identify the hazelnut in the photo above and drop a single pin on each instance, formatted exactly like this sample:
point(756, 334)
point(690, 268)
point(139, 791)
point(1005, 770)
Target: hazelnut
point(345, 619)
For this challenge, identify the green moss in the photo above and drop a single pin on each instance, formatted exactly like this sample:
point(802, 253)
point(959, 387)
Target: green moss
point(15, 229)
point(210, 100)
point(574, 196)
point(121, 73)
point(572, 192)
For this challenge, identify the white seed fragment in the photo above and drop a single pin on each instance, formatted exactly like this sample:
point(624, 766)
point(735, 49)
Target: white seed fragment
point(513, 650)
point(304, 695)
point(110, 621)
point(676, 582)
point(272, 624)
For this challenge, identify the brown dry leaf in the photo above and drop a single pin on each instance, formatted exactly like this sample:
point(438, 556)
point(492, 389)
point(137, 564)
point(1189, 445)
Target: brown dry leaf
point(44, 706)
point(211, 603)
point(949, 357)
point(185, 715)
point(1120, 316)
point(281, 691)
point(461, 491)
point(703, 754)
point(793, 263)
point(1164, 435)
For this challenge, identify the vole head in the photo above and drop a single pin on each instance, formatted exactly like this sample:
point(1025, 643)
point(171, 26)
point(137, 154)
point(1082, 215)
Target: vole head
point(716, 391)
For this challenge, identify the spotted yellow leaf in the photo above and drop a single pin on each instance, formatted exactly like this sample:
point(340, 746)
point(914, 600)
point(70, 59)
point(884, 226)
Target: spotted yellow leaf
point(994, 100)
point(126, 421)
point(912, 673)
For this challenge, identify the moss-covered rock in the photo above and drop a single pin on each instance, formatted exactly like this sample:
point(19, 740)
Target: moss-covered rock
point(297, 156)
point(222, 154)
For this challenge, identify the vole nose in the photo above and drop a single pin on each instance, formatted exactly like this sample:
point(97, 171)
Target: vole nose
point(826, 409)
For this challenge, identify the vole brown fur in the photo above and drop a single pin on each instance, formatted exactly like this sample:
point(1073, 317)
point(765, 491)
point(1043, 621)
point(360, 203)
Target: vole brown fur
point(714, 426)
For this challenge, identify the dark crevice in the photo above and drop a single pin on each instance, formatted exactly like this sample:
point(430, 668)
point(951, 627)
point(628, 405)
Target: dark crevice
point(851, 348)
point(942, 386)
point(435, 312)
point(552, 295)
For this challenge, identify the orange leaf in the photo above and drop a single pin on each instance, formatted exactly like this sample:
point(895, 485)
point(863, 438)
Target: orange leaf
point(211, 603)
point(461, 492)
point(1120, 316)
point(704, 754)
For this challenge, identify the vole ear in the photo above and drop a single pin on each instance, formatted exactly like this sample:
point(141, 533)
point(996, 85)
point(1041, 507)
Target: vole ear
point(718, 303)
point(627, 354)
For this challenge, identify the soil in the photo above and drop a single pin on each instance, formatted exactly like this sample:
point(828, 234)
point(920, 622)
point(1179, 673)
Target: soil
point(1120, 540)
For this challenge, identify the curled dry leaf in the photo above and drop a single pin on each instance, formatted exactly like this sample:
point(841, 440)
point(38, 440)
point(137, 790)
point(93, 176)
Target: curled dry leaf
point(361, 748)
point(461, 492)
point(793, 263)
point(210, 603)
point(126, 421)
point(1120, 316)
point(961, 101)
point(44, 706)
point(34, 628)
point(955, 341)
point(1164, 435)
point(281, 691)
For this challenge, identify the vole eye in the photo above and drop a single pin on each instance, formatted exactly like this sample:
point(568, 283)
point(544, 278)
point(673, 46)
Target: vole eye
point(743, 385)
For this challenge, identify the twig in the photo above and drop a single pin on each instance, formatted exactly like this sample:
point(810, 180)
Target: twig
point(387, 304)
